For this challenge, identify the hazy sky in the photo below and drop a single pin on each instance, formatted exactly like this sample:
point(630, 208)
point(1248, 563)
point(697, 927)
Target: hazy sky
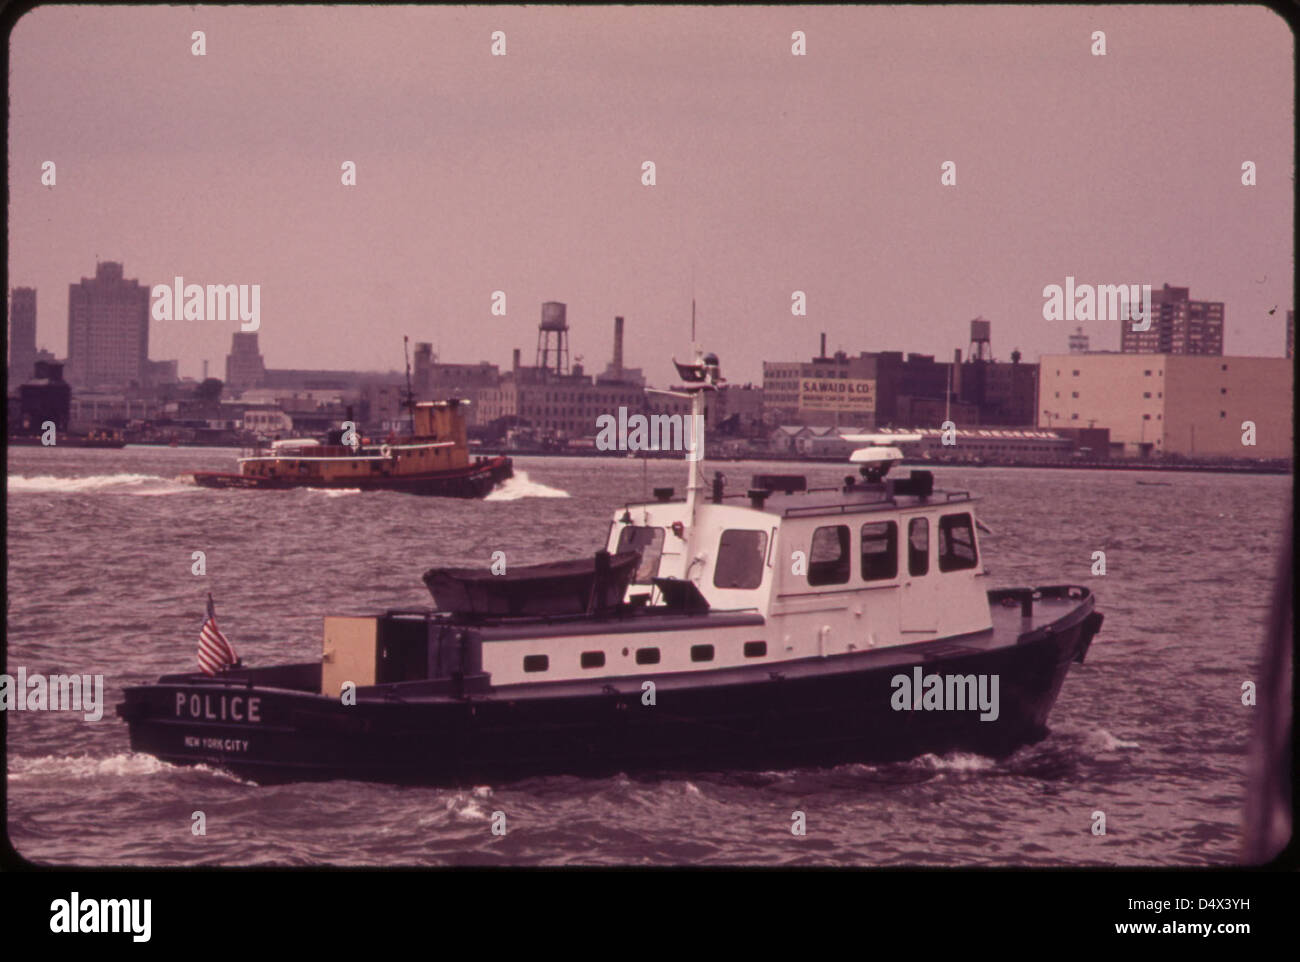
point(775, 173)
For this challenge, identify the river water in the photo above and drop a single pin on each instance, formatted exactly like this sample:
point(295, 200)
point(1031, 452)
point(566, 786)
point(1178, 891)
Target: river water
point(1151, 730)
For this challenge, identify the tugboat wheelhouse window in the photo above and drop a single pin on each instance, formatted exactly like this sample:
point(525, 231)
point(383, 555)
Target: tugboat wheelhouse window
point(828, 558)
point(647, 656)
point(701, 652)
point(593, 659)
point(879, 551)
point(536, 662)
point(918, 546)
point(956, 543)
point(755, 649)
point(649, 542)
point(741, 557)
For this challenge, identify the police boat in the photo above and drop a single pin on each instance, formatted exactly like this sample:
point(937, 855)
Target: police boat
point(779, 626)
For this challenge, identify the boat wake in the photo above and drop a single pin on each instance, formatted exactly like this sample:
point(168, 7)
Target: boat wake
point(141, 484)
point(127, 764)
point(514, 488)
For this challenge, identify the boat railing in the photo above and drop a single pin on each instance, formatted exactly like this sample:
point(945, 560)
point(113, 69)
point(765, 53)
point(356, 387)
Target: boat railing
point(815, 509)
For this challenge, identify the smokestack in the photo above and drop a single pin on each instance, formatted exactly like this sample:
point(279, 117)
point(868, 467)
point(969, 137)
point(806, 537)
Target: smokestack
point(823, 353)
point(618, 348)
point(516, 361)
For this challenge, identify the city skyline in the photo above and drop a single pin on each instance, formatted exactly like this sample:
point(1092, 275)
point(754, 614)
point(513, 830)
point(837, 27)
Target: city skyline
point(775, 173)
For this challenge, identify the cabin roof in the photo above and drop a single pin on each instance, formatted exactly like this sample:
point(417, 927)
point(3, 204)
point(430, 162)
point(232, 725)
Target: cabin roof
point(862, 499)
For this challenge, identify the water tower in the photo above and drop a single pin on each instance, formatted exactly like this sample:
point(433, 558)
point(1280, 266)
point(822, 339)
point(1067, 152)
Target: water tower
point(981, 340)
point(553, 339)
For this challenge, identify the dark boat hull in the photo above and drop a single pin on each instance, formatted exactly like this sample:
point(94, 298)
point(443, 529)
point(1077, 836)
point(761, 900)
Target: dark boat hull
point(814, 712)
point(475, 481)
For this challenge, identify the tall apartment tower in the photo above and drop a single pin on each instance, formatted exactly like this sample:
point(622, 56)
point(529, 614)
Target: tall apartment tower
point(108, 329)
point(244, 365)
point(1179, 325)
point(22, 334)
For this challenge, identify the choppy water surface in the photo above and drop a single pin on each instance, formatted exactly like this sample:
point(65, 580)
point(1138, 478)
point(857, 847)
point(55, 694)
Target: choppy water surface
point(1151, 730)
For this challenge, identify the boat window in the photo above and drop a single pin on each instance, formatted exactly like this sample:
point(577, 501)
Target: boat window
point(701, 652)
point(536, 662)
point(741, 558)
point(879, 551)
point(649, 542)
point(956, 542)
point(755, 649)
point(593, 659)
point(918, 546)
point(828, 559)
point(647, 656)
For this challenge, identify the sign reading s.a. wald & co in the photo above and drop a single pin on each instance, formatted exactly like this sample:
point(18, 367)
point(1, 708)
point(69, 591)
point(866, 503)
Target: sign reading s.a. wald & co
point(853, 395)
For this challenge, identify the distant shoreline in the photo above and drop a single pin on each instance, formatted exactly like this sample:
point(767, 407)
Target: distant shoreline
point(1116, 464)
point(1216, 467)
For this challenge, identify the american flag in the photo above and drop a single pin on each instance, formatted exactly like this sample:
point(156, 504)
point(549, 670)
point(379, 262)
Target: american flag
point(214, 651)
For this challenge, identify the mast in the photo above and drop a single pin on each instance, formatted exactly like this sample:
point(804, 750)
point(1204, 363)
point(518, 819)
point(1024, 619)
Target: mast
point(701, 375)
point(697, 424)
point(697, 438)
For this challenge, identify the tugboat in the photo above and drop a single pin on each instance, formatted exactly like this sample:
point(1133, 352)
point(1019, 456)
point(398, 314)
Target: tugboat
point(782, 626)
point(434, 460)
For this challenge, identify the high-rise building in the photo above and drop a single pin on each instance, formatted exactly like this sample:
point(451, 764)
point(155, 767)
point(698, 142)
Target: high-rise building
point(108, 329)
point(1290, 333)
point(244, 365)
point(1078, 342)
point(22, 334)
point(1179, 325)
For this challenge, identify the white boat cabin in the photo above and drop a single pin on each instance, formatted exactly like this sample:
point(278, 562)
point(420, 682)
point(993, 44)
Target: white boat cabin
point(819, 573)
